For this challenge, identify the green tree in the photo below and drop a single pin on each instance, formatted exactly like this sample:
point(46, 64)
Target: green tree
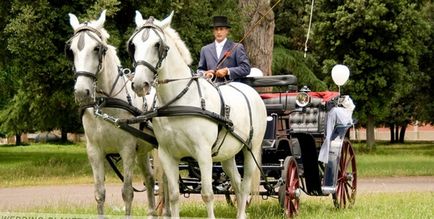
point(424, 98)
point(292, 21)
point(43, 97)
point(381, 42)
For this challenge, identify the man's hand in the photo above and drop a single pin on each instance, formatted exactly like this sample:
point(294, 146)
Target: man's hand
point(208, 74)
point(221, 73)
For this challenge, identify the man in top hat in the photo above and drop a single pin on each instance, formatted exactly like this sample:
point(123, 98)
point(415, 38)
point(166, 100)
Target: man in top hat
point(223, 59)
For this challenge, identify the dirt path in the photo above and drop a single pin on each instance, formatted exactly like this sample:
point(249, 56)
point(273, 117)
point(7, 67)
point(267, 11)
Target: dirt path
point(57, 195)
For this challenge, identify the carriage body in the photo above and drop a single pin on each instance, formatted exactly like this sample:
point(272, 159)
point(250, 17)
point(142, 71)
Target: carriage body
point(296, 130)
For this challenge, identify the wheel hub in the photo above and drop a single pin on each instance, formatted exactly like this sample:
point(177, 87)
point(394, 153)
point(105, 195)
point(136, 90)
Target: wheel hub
point(294, 193)
point(349, 177)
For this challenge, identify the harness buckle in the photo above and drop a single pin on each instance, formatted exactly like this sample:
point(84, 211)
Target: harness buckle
point(227, 111)
point(202, 103)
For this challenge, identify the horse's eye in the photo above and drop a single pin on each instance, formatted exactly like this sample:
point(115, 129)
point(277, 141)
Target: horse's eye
point(157, 45)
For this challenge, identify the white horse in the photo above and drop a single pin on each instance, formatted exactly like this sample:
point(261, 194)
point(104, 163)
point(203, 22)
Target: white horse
point(189, 117)
point(97, 77)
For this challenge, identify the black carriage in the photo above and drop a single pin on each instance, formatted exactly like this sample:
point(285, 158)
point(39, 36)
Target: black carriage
point(295, 132)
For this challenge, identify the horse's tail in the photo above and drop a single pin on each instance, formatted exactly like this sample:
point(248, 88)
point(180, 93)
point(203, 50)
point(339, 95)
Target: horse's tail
point(159, 175)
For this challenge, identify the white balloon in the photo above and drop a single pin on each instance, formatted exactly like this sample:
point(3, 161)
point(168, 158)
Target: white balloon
point(340, 74)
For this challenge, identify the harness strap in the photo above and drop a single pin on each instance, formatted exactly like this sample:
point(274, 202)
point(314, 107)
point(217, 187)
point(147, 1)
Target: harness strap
point(141, 62)
point(120, 73)
point(179, 111)
point(249, 141)
point(145, 131)
point(189, 111)
point(111, 159)
point(179, 95)
point(144, 134)
point(224, 114)
point(202, 100)
point(110, 102)
point(85, 74)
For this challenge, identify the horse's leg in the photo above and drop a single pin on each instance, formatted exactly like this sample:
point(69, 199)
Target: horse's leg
point(171, 171)
point(143, 160)
point(166, 200)
point(250, 168)
point(205, 165)
point(127, 189)
point(230, 168)
point(96, 159)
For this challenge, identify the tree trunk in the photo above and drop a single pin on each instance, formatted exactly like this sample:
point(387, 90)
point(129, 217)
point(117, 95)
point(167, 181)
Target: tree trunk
point(63, 136)
point(402, 133)
point(18, 139)
point(396, 132)
point(392, 132)
point(259, 32)
point(370, 134)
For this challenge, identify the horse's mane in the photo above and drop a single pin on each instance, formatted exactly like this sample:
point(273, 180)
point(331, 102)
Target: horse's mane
point(111, 60)
point(180, 45)
point(104, 34)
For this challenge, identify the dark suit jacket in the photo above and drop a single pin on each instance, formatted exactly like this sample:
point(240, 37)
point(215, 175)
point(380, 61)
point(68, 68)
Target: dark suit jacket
point(237, 62)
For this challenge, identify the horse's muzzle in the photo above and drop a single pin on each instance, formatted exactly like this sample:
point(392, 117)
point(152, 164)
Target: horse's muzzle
point(82, 96)
point(141, 89)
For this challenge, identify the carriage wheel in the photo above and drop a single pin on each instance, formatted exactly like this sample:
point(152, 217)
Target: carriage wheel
point(345, 195)
point(289, 192)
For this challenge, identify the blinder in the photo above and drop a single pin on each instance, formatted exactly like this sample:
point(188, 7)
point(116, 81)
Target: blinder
point(100, 49)
point(162, 47)
point(68, 52)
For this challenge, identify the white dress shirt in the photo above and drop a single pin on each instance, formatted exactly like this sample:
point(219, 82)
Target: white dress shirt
point(219, 47)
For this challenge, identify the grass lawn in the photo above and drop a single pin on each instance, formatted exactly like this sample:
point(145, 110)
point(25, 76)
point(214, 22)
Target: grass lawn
point(45, 164)
point(415, 159)
point(382, 205)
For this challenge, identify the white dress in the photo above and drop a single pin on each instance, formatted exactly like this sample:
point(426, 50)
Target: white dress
point(337, 115)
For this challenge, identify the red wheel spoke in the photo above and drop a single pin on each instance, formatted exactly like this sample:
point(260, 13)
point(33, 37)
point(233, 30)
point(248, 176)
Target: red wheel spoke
point(291, 187)
point(349, 161)
point(347, 178)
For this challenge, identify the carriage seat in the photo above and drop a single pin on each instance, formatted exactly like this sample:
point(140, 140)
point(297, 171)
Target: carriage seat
point(271, 81)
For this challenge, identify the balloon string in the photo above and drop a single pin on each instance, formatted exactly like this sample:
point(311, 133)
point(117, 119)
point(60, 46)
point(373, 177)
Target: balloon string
point(308, 30)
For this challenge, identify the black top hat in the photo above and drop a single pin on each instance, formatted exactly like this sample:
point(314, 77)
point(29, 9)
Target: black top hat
point(220, 21)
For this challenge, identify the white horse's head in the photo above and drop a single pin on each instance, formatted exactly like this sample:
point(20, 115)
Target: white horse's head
point(87, 49)
point(148, 47)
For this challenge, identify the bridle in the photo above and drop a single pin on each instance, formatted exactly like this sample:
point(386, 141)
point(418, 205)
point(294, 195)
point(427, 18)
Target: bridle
point(102, 48)
point(162, 47)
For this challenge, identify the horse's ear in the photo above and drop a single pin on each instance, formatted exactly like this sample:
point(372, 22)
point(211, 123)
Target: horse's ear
point(139, 19)
point(101, 19)
point(73, 20)
point(167, 21)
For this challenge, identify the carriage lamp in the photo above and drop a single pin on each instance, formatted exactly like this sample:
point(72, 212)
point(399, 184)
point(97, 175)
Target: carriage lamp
point(303, 99)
